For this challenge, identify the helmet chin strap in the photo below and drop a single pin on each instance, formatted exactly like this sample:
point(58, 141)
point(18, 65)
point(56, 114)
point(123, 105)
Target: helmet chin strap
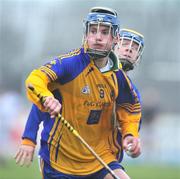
point(97, 54)
point(126, 64)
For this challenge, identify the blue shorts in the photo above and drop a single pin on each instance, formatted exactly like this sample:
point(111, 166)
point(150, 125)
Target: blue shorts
point(50, 173)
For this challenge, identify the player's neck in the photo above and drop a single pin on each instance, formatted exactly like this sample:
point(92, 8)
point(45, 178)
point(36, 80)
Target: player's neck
point(101, 62)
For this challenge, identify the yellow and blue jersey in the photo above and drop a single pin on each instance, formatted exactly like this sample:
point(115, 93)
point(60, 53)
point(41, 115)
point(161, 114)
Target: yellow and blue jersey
point(87, 97)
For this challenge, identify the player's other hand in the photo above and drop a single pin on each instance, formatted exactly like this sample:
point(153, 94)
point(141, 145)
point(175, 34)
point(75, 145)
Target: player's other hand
point(132, 146)
point(24, 156)
point(52, 105)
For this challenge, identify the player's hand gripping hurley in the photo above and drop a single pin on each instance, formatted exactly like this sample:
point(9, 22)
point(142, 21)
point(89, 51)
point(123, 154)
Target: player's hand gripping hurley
point(73, 131)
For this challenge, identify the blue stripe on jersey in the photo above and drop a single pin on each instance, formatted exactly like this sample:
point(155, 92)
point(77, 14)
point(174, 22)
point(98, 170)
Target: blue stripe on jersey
point(120, 154)
point(57, 148)
point(48, 124)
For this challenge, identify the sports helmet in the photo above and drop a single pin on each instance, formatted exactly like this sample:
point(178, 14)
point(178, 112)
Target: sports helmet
point(135, 37)
point(103, 16)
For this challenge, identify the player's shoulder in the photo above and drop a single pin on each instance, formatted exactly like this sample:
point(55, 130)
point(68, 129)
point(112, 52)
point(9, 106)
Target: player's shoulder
point(124, 80)
point(73, 55)
point(120, 74)
point(69, 59)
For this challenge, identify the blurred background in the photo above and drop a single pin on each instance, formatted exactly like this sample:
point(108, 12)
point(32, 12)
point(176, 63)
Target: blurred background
point(34, 31)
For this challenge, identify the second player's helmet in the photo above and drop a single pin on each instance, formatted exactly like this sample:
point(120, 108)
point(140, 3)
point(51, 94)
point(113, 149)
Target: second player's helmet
point(101, 16)
point(134, 38)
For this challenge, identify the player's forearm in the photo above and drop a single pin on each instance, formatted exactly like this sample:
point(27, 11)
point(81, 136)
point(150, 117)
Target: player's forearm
point(39, 81)
point(129, 129)
point(129, 122)
point(30, 134)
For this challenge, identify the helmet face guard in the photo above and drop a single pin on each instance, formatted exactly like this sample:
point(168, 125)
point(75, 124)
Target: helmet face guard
point(133, 44)
point(100, 17)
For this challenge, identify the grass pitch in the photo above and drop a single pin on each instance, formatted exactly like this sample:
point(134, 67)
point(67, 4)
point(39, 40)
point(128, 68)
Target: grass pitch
point(9, 170)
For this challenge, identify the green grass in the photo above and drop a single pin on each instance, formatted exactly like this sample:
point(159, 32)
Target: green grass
point(153, 171)
point(12, 171)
